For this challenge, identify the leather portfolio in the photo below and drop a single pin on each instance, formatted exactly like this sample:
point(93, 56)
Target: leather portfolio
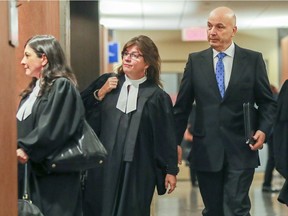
point(250, 122)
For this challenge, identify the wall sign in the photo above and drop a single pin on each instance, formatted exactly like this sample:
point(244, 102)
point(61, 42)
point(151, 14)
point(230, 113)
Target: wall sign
point(113, 52)
point(13, 23)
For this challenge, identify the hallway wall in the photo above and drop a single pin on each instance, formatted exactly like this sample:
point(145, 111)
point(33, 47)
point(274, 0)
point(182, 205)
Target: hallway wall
point(174, 51)
point(85, 41)
point(34, 17)
point(8, 194)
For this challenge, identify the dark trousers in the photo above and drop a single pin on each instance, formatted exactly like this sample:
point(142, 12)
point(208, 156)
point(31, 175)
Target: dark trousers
point(226, 193)
point(193, 176)
point(268, 176)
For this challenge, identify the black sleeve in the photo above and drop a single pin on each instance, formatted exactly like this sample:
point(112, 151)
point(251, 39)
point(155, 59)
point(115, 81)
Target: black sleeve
point(280, 132)
point(57, 119)
point(91, 104)
point(164, 135)
point(87, 94)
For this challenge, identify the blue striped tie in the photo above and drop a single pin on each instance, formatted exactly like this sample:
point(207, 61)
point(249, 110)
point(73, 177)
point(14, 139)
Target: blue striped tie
point(220, 73)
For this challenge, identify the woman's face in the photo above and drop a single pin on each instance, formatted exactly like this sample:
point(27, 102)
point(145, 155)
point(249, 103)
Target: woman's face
point(133, 63)
point(32, 63)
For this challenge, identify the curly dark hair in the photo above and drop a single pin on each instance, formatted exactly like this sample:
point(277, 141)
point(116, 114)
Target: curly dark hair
point(56, 66)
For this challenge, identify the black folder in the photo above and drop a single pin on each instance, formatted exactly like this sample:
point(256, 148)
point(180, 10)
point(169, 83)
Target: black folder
point(250, 122)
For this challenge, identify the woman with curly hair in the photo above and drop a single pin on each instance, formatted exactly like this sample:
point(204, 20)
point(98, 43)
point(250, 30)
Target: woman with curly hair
point(49, 115)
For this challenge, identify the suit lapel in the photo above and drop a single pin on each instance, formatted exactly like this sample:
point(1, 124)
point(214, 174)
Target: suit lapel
point(239, 62)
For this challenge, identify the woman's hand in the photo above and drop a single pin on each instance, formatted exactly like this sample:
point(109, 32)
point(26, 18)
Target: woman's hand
point(109, 85)
point(22, 157)
point(187, 135)
point(179, 154)
point(170, 182)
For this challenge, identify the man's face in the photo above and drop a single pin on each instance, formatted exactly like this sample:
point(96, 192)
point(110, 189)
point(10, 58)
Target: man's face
point(220, 31)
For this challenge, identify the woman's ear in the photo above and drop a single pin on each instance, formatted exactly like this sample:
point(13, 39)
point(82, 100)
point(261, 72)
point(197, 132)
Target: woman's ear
point(44, 60)
point(146, 66)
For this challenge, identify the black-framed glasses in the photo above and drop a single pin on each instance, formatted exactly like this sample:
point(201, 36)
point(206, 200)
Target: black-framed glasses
point(132, 55)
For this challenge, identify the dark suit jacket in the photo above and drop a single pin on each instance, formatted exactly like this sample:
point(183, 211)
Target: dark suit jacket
point(219, 127)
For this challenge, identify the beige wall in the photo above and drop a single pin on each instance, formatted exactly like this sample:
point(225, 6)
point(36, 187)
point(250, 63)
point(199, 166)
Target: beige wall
point(266, 42)
point(174, 52)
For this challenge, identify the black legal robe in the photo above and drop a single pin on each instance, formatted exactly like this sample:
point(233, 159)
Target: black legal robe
point(125, 185)
point(54, 120)
point(280, 140)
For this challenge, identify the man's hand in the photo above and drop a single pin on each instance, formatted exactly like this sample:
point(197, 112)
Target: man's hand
point(259, 137)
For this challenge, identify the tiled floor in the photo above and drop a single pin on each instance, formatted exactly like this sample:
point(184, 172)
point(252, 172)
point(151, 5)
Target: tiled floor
point(186, 201)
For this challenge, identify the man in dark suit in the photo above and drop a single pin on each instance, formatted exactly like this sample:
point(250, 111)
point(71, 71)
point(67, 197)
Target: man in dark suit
point(225, 164)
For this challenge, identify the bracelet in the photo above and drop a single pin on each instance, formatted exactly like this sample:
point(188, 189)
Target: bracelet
point(95, 93)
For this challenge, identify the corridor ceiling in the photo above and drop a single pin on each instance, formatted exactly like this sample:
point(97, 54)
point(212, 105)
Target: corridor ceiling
point(180, 14)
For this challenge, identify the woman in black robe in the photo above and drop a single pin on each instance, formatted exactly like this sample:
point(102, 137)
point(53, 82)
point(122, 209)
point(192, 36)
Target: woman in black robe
point(133, 117)
point(280, 140)
point(49, 115)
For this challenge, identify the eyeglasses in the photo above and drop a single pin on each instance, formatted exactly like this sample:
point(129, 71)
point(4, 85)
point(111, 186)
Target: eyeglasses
point(133, 55)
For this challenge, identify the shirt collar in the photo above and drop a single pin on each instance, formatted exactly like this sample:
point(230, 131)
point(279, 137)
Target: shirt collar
point(229, 51)
point(135, 83)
